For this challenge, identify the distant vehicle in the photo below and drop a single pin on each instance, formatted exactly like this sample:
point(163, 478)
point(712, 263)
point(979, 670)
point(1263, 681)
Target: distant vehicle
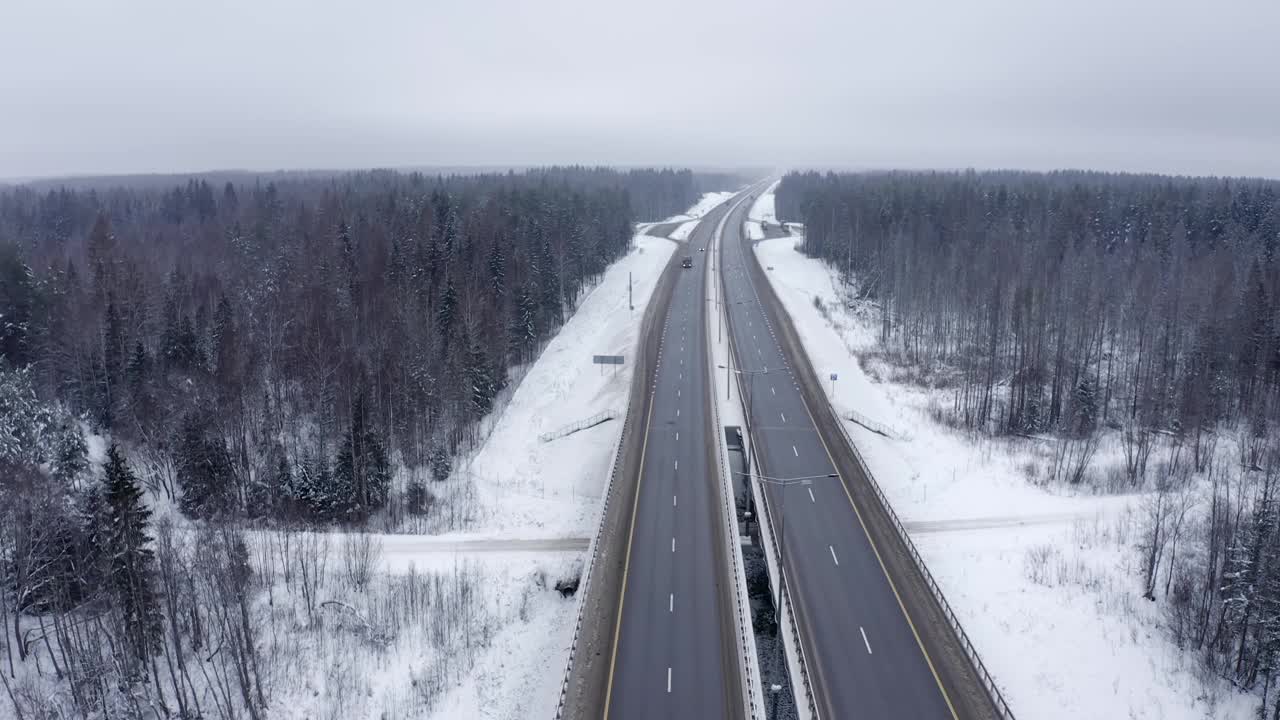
point(687, 262)
point(702, 249)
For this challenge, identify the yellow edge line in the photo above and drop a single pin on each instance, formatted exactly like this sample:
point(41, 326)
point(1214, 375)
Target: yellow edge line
point(883, 569)
point(626, 567)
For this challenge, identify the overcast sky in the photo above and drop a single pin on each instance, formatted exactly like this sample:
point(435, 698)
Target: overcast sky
point(1185, 86)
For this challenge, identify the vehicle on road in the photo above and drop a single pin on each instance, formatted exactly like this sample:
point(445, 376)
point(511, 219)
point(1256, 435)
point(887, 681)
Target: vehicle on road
point(687, 262)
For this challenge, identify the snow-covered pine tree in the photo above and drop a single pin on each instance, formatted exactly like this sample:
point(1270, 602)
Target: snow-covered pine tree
point(129, 561)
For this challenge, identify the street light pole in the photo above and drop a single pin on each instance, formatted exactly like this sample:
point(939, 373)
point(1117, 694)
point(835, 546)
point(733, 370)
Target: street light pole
point(783, 483)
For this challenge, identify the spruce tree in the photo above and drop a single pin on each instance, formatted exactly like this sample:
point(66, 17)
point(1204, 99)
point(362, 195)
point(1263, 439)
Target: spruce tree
point(204, 472)
point(129, 559)
point(362, 473)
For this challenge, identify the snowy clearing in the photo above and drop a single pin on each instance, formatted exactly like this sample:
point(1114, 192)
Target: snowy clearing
point(754, 230)
point(1044, 583)
point(702, 207)
point(682, 233)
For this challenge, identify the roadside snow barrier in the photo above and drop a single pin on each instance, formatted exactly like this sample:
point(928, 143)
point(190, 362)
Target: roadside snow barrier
point(873, 426)
point(988, 681)
point(603, 416)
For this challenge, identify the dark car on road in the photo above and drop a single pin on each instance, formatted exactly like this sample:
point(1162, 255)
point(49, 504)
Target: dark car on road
point(687, 262)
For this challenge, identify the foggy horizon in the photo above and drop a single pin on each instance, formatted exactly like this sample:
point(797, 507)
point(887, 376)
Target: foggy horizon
point(1177, 88)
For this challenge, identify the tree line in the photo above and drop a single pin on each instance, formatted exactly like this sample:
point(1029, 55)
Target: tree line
point(257, 350)
point(270, 349)
point(1072, 306)
point(1061, 301)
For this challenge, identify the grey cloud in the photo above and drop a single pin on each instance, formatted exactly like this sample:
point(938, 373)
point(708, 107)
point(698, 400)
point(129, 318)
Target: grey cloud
point(146, 85)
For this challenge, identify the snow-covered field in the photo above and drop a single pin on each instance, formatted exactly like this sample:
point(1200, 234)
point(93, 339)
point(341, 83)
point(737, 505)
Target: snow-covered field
point(1043, 581)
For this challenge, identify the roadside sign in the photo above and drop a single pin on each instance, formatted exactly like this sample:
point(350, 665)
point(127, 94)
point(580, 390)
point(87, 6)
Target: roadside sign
point(602, 360)
point(833, 377)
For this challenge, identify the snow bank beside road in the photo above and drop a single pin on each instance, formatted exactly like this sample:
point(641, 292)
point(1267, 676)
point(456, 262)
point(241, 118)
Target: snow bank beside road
point(527, 488)
point(1043, 583)
point(703, 206)
point(682, 232)
point(763, 208)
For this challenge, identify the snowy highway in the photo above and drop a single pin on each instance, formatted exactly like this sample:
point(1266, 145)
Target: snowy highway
point(873, 644)
point(674, 653)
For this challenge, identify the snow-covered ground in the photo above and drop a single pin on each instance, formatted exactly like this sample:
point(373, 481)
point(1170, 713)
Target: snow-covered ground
point(702, 207)
point(1043, 581)
point(537, 503)
point(525, 488)
point(682, 232)
point(763, 208)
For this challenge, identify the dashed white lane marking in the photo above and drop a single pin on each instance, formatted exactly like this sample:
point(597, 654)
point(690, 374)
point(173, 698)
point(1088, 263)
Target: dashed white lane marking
point(668, 680)
point(773, 390)
point(671, 603)
point(784, 415)
point(832, 549)
point(677, 412)
point(864, 639)
point(677, 434)
point(673, 500)
point(677, 464)
point(794, 450)
point(811, 496)
point(673, 547)
point(677, 392)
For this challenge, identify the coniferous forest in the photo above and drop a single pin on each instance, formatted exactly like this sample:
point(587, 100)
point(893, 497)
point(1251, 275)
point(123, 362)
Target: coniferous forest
point(268, 351)
point(1080, 307)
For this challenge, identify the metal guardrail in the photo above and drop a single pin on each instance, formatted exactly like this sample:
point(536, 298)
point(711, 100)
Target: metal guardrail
point(746, 656)
point(1002, 707)
point(755, 462)
point(592, 553)
point(600, 417)
point(795, 634)
point(810, 701)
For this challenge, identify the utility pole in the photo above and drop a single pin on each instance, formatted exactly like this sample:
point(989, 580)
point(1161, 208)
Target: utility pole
point(630, 299)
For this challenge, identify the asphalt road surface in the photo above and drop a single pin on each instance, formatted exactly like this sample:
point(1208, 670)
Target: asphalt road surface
point(863, 651)
point(674, 653)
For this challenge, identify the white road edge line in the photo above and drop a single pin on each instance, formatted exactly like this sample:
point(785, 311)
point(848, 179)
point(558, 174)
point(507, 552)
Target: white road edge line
point(832, 549)
point(864, 639)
